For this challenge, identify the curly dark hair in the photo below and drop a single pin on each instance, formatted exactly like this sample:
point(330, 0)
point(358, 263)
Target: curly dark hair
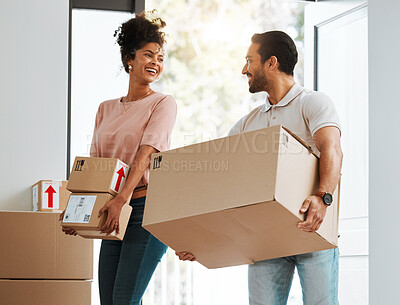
point(133, 34)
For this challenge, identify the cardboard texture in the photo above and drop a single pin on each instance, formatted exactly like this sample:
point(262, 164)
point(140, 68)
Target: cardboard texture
point(45, 292)
point(97, 175)
point(236, 200)
point(81, 215)
point(34, 247)
point(50, 195)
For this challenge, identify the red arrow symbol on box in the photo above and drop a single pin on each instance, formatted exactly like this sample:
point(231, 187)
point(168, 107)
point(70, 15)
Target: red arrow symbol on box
point(120, 175)
point(50, 191)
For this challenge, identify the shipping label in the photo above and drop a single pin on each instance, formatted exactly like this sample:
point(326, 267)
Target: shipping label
point(50, 195)
point(35, 197)
point(157, 162)
point(79, 164)
point(79, 209)
point(120, 173)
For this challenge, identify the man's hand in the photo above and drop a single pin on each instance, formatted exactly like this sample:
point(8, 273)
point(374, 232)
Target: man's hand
point(113, 209)
point(185, 256)
point(315, 209)
point(69, 231)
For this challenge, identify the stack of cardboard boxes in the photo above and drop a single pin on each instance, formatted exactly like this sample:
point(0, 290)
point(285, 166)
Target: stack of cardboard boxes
point(93, 182)
point(39, 264)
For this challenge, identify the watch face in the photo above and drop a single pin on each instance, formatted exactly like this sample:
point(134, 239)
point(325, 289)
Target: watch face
point(327, 199)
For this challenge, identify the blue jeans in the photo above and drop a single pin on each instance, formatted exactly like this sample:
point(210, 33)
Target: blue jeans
point(126, 267)
point(270, 280)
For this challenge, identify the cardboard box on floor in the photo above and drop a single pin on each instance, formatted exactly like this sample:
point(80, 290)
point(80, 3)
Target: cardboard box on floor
point(45, 292)
point(236, 200)
point(34, 247)
point(97, 175)
point(49, 195)
point(82, 212)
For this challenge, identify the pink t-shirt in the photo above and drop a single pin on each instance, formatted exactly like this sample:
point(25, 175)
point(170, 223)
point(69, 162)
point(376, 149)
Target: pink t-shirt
point(120, 129)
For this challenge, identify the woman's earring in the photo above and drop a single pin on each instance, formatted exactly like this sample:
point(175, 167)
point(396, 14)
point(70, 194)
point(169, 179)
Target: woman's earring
point(129, 67)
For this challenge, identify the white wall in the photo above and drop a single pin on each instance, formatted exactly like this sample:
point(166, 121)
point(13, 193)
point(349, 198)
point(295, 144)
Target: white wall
point(384, 140)
point(33, 96)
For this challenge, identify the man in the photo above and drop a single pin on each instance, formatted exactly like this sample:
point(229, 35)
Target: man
point(270, 62)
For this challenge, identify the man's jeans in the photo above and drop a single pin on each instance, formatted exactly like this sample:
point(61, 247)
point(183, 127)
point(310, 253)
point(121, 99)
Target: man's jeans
point(270, 280)
point(126, 267)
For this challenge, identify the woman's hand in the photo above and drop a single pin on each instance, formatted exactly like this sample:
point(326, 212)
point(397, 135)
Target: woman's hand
point(186, 256)
point(67, 231)
point(113, 209)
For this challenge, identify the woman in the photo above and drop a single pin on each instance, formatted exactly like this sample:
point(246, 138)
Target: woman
point(132, 128)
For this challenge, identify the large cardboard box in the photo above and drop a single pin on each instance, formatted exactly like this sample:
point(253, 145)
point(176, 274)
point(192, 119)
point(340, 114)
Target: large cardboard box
point(45, 292)
point(34, 247)
point(97, 175)
point(49, 195)
point(236, 200)
point(82, 215)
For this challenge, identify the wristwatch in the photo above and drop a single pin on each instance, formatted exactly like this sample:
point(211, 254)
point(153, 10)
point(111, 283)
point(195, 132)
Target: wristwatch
point(326, 197)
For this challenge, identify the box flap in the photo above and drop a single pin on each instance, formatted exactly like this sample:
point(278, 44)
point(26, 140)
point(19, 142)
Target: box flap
point(303, 142)
point(297, 174)
point(303, 182)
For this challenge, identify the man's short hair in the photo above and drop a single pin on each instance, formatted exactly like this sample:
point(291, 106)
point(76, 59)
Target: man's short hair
point(279, 44)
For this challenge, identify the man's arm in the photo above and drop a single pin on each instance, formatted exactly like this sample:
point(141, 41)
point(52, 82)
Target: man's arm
point(327, 140)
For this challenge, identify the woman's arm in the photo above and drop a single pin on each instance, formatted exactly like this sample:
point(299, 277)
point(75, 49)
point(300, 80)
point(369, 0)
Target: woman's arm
point(114, 206)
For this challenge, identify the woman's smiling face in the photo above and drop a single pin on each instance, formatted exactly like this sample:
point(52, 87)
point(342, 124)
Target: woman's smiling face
point(148, 63)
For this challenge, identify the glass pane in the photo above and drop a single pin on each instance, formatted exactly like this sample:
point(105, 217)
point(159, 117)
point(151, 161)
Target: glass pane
point(207, 43)
point(97, 73)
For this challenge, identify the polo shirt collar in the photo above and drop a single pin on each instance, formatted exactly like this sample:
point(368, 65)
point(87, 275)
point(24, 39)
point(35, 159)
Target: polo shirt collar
point(290, 96)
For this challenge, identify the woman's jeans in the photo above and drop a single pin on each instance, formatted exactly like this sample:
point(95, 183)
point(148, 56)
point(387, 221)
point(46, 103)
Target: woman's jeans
point(126, 267)
point(270, 280)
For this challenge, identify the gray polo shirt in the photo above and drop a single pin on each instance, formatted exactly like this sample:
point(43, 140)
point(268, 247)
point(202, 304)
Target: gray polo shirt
point(302, 111)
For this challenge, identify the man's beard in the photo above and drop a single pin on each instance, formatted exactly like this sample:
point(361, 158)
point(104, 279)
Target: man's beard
point(259, 82)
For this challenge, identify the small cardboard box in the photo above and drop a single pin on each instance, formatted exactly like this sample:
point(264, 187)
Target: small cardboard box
point(97, 175)
point(236, 200)
point(45, 292)
point(49, 195)
point(34, 247)
point(81, 215)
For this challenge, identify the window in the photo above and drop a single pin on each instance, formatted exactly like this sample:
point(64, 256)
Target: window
point(86, 36)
